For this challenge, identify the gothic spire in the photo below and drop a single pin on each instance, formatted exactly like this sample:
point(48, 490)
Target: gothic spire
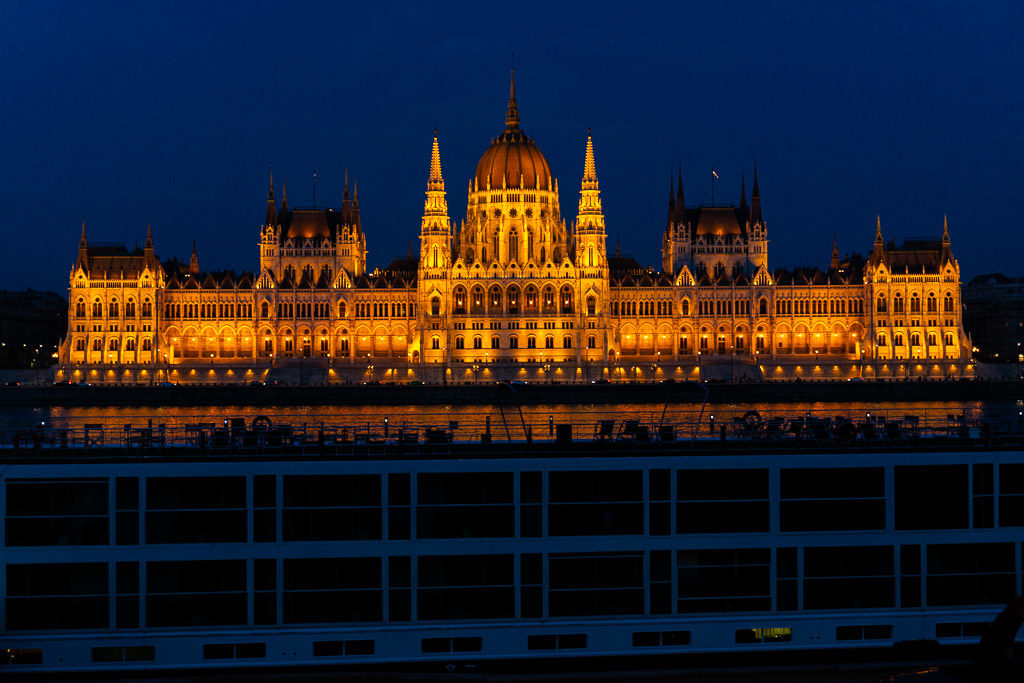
point(834, 265)
point(945, 229)
point(589, 168)
point(284, 195)
point(590, 195)
point(81, 242)
point(271, 217)
point(193, 265)
point(755, 201)
point(436, 180)
point(512, 114)
point(149, 236)
point(878, 229)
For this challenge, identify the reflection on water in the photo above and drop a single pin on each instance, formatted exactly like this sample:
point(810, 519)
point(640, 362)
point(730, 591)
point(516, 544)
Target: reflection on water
point(933, 412)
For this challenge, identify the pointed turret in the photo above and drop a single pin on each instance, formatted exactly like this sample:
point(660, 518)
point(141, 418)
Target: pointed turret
point(346, 202)
point(834, 263)
point(878, 252)
point(512, 114)
point(193, 264)
point(355, 203)
point(947, 251)
point(83, 247)
point(271, 217)
point(590, 195)
point(284, 195)
point(149, 236)
point(436, 179)
point(755, 201)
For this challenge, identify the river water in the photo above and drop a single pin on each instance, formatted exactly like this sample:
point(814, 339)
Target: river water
point(511, 420)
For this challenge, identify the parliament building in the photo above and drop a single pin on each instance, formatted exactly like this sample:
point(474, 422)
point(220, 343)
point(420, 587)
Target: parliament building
point(515, 292)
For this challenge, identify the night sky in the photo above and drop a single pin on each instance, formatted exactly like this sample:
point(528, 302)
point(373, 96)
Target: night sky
point(129, 113)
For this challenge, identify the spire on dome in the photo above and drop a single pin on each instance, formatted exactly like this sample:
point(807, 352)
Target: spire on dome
point(512, 114)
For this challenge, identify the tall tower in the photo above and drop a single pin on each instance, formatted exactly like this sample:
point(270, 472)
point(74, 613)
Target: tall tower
point(433, 281)
point(757, 235)
point(589, 229)
point(351, 242)
point(435, 226)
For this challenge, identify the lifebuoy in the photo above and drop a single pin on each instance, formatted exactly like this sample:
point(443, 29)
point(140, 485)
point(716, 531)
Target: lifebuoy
point(261, 422)
point(752, 418)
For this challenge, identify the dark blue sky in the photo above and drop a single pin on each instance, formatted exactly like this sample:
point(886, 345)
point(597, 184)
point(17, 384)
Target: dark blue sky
point(173, 113)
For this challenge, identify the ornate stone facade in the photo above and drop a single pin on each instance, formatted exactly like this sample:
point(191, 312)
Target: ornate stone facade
point(515, 293)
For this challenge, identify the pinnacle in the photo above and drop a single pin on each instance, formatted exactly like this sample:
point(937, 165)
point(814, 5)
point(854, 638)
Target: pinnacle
point(512, 114)
point(435, 163)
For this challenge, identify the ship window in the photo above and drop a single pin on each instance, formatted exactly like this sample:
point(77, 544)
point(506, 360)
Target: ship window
point(57, 596)
point(879, 632)
point(127, 596)
point(264, 500)
point(531, 578)
point(855, 577)
point(564, 641)
point(30, 655)
point(591, 584)
point(195, 510)
point(734, 580)
point(54, 512)
point(961, 629)
point(339, 648)
point(136, 653)
point(661, 638)
point(1011, 494)
point(448, 645)
point(970, 574)
point(196, 593)
point(235, 651)
point(530, 512)
point(931, 497)
point(595, 503)
point(982, 494)
point(465, 587)
point(722, 501)
point(465, 505)
point(127, 505)
point(331, 508)
point(832, 499)
point(332, 590)
point(264, 599)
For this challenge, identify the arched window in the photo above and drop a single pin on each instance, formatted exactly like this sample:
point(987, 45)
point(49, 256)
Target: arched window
point(80, 345)
point(915, 303)
point(147, 344)
point(590, 256)
point(684, 307)
point(566, 342)
point(435, 343)
point(80, 308)
point(342, 309)
point(531, 342)
point(112, 308)
point(129, 308)
point(129, 345)
point(433, 257)
point(513, 245)
point(113, 344)
point(947, 303)
point(495, 342)
point(591, 305)
point(549, 342)
point(460, 343)
point(933, 303)
point(591, 342)
point(460, 299)
point(881, 306)
point(565, 299)
point(147, 308)
point(881, 340)
point(435, 305)
point(897, 304)
point(549, 297)
point(494, 298)
point(97, 344)
point(762, 307)
point(478, 343)
point(513, 342)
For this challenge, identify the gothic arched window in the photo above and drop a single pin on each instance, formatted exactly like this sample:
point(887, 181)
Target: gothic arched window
point(513, 245)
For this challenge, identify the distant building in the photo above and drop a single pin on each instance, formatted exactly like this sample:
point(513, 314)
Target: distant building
point(994, 316)
point(32, 325)
point(516, 292)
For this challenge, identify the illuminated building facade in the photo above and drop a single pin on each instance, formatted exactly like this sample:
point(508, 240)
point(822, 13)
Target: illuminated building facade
point(515, 293)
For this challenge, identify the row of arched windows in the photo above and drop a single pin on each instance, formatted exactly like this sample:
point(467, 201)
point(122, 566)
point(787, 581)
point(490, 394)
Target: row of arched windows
point(513, 342)
point(114, 344)
point(899, 305)
point(113, 308)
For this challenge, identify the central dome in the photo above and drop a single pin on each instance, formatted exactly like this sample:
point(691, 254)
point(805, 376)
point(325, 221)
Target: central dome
point(513, 159)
